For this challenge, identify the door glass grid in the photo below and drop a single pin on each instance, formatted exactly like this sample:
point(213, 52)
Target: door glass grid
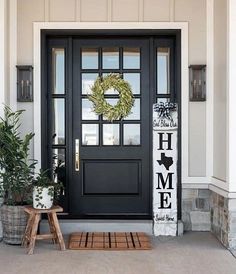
point(58, 96)
point(58, 113)
point(126, 62)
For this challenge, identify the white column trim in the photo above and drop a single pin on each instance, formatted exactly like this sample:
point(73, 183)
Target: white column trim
point(13, 53)
point(210, 89)
point(185, 106)
point(37, 95)
point(231, 98)
point(183, 26)
point(3, 53)
point(222, 184)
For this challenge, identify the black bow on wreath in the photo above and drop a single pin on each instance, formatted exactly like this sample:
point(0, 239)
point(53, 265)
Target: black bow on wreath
point(164, 110)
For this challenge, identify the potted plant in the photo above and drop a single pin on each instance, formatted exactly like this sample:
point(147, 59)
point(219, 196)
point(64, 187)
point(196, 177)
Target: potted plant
point(16, 176)
point(46, 190)
point(1, 202)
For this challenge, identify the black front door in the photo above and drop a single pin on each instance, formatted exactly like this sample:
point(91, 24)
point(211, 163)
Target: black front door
point(106, 167)
point(112, 177)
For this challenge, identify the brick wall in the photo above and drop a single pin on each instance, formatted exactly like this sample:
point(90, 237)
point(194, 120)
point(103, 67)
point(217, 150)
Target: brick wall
point(223, 219)
point(205, 210)
point(196, 209)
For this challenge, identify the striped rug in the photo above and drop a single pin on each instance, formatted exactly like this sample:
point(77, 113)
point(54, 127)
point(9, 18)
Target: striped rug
point(109, 241)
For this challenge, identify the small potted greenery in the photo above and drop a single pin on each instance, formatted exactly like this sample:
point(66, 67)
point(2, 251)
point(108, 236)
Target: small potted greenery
point(46, 191)
point(16, 176)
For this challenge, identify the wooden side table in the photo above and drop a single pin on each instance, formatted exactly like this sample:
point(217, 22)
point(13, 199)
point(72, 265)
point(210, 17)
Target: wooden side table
point(31, 235)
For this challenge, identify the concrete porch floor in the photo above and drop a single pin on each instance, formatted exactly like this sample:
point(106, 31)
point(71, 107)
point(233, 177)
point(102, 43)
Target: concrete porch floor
point(195, 252)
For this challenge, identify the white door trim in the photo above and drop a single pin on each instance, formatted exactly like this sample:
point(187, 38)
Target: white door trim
point(13, 53)
point(231, 95)
point(3, 53)
point(183, 26)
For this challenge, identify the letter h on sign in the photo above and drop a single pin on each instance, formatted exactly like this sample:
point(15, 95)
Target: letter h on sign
point(161, 140)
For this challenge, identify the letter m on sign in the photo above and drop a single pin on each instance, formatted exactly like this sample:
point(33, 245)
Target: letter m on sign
point(162, 183)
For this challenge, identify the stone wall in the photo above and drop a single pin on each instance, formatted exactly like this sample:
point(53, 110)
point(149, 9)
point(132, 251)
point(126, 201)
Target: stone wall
point(196, 209)
point(223, 219)
point(205, 210)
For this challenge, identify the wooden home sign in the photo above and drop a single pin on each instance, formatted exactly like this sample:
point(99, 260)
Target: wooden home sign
point(165, 128)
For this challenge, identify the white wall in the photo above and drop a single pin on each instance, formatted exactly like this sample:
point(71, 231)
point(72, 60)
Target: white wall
point(191, 11)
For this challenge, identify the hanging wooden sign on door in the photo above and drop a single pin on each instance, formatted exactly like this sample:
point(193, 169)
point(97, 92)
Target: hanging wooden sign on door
point(165, 129)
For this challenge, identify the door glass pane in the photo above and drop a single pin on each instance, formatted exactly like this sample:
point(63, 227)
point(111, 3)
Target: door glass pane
point(90, 135)
point(58, 156)
point(134, 81)
point(111, 135)
point(89, 58)
point(135, 111)
point(88, 80)
point(58, 121)
point(131, 58)
point(163, 71)
point(110, 58)
point(58, 70)
point(131, 134)
point(87, 110)
point(112, 102)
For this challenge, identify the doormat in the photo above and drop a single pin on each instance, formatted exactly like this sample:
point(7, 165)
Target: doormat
point(109, 241)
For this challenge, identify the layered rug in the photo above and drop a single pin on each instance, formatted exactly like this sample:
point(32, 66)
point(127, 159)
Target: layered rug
point(109, 241)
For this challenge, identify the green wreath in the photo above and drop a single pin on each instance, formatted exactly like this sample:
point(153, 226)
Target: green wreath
point(123, 107)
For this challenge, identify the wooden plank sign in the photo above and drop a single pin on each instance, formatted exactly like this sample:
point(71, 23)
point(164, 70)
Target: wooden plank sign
point(165, 129)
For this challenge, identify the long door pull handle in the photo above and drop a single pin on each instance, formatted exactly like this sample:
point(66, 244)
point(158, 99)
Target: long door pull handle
point(77, 155)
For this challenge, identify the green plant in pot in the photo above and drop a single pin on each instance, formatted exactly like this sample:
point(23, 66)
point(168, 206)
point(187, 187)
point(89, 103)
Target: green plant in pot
point(16, 176)
point(46, 191)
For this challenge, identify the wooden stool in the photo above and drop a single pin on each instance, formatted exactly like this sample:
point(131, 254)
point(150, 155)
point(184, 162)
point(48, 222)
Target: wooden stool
point(32, 227)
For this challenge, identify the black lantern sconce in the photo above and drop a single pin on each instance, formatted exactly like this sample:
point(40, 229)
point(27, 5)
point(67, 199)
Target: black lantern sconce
point(197, 83)
point(24, 83)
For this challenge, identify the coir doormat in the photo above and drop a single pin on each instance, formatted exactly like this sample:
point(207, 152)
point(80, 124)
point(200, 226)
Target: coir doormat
point(109, 241)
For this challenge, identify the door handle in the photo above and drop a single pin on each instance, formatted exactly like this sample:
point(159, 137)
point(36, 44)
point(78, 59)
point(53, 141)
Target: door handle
point(77, 155)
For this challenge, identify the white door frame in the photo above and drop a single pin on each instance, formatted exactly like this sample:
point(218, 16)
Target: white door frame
point(182, 26)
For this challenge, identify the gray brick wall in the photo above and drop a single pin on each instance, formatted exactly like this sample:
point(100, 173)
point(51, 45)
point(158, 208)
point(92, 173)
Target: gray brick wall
point(223, 219)
point(205, 210)
point(196, 209)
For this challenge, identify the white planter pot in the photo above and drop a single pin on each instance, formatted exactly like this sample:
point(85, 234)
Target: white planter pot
point(41, 198)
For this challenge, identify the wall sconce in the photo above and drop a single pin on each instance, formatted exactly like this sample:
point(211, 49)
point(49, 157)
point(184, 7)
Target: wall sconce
point(197, 83)
point(24, 83)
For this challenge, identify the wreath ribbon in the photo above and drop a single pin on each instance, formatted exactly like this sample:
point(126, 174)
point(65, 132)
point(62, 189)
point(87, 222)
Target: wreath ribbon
point(164, 110)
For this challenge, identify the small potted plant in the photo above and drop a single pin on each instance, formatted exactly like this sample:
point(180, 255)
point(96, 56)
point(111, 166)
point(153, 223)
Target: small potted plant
point(46, 191)
point(16, 176)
